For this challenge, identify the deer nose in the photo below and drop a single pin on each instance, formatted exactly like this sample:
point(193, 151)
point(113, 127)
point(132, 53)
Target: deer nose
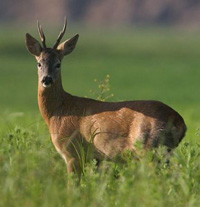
point(47, 81)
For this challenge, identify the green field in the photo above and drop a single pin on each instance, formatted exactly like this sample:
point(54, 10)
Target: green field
point(157, 64)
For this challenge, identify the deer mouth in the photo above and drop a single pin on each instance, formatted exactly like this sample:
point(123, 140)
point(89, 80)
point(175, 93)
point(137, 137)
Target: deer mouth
point(46, 85)
point(47, 81)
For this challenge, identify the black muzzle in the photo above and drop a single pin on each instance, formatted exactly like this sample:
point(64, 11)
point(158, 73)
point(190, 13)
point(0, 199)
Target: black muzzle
point(47, 81)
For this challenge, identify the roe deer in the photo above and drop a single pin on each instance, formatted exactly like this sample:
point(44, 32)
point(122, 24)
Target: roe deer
point(116, 126)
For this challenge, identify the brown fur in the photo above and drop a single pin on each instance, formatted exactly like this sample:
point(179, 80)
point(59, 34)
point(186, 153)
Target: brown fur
point(110, 127)
point(116, 125)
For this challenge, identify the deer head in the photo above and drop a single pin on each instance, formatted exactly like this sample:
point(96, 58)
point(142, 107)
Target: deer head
point(49, 59)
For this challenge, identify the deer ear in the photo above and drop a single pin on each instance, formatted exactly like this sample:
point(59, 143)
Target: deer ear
point(68, 46)
point(33, 45)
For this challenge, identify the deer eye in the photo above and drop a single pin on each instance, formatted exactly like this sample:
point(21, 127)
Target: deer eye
point(39, 65)
point(58, 65)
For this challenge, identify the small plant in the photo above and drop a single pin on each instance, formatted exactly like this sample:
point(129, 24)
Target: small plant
point(103, 92)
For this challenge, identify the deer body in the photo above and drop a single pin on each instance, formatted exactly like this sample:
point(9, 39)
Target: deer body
point(111, 127)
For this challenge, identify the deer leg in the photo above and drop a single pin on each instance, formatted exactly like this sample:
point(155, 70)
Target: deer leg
point(73, 166)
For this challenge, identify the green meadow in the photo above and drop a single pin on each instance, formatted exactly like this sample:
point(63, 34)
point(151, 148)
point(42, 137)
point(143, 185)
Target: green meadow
point(143, 64)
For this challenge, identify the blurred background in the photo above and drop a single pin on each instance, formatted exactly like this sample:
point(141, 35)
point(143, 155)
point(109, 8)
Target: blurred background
point(150, 49)
point(184, 13)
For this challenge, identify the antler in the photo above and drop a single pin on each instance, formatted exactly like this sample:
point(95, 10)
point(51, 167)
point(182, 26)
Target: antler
point(41, 33)
point(61, 34)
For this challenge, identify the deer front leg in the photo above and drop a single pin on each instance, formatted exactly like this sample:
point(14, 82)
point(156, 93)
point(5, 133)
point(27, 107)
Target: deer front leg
point(73, 168)
point(73, 165)
point(66, 151)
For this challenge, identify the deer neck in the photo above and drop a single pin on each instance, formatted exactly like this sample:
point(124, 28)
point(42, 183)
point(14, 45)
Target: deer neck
point(50, 100)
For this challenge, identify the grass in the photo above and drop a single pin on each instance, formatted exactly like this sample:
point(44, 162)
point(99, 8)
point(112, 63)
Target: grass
point(159, 64)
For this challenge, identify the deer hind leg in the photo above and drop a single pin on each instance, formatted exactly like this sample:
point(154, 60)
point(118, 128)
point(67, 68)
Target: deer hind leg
point(164, 136)
point(173, 133)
